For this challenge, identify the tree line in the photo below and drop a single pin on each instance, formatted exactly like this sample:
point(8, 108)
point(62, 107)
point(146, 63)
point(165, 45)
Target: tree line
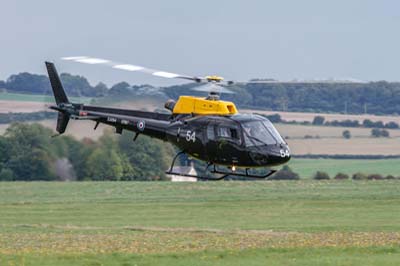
point(373, 98)
point(29, 153)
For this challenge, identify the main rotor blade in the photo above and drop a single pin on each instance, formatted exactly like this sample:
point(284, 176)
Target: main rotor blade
point(171, 75)
point(316, 81)
point(129, 67)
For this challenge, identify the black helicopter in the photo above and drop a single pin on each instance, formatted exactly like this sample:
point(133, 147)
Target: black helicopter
point(206, 129)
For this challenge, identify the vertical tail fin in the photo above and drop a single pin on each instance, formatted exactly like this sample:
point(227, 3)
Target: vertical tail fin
point(56, 85)
point(60, 97)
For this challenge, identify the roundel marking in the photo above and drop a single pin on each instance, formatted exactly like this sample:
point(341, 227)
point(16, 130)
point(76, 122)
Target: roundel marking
point(141, 125)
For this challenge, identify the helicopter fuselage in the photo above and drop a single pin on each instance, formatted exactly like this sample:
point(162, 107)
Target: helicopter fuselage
point(223, 140)
point(239, 140)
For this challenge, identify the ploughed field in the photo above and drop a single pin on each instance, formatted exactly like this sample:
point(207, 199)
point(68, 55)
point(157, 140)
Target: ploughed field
point(206, 223)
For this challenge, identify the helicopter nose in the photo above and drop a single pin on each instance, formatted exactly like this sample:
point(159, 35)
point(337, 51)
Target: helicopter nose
point(285, 152)
point(271, 155)
point(279, 154)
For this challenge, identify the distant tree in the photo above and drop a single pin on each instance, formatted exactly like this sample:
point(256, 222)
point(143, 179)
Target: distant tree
point(107, 161)
point(368, 123)
point(334, 123)
point(148, 157)
point(385, 133)
point(101, 90)
point(350, 123)
point(2, 85)
point(26, 82)
point(346, 134)
point(318, 120)
point(359, 176)
point(4, 151)
point(379, 124)
point(392, 125)
point(275, 118)
point(341, 176)
point(375, 177)
point(319, 175)
point(390, 177)
point(77, 85)
point(6, 174)
point(376, 132)
point(121, 89)
point(104, 164)
point(30, 152)
point(285, 173)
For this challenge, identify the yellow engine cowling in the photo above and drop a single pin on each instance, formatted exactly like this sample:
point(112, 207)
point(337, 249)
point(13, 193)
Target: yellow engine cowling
point(202, 106)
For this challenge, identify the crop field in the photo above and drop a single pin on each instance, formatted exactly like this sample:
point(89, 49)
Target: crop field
point(206, 223)
point(329, 140)
point(21, 97)
point(301, 116)
point(299, 131)
point(7, 106)
point(358, 146)
point(26, 103)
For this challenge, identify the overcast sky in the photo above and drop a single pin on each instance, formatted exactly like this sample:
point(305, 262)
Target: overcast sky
point(236, 39)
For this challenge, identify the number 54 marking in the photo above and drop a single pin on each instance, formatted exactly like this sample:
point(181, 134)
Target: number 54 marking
point(190, 136)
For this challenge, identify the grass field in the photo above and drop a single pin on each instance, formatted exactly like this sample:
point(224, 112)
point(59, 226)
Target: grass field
point(306, 168)
point(208, 223)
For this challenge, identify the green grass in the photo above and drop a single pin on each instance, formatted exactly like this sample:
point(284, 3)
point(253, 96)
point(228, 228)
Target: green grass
point(207, 223)
point(38, 98)
point(306, 168)
point(299, 256)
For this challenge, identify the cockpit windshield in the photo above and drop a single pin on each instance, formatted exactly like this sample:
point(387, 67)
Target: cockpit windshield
point(273, 130)
point(260, 132)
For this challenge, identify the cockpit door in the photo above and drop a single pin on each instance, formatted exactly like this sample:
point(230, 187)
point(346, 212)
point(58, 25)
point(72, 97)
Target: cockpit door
point(223, 141)
point(211, 141)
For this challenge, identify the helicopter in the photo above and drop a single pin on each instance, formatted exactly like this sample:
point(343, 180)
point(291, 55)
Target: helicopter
point(207, 129)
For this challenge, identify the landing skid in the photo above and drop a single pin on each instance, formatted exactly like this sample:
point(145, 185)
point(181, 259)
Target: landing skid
point(214, 170)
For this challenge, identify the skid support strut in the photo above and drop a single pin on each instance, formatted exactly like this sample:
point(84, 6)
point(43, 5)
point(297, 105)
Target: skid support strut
point(214, 170)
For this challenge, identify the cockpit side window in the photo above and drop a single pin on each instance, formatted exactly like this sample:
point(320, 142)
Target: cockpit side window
point(229, 132)
point(234, 133)
point(224, 132)
point(210, 132)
